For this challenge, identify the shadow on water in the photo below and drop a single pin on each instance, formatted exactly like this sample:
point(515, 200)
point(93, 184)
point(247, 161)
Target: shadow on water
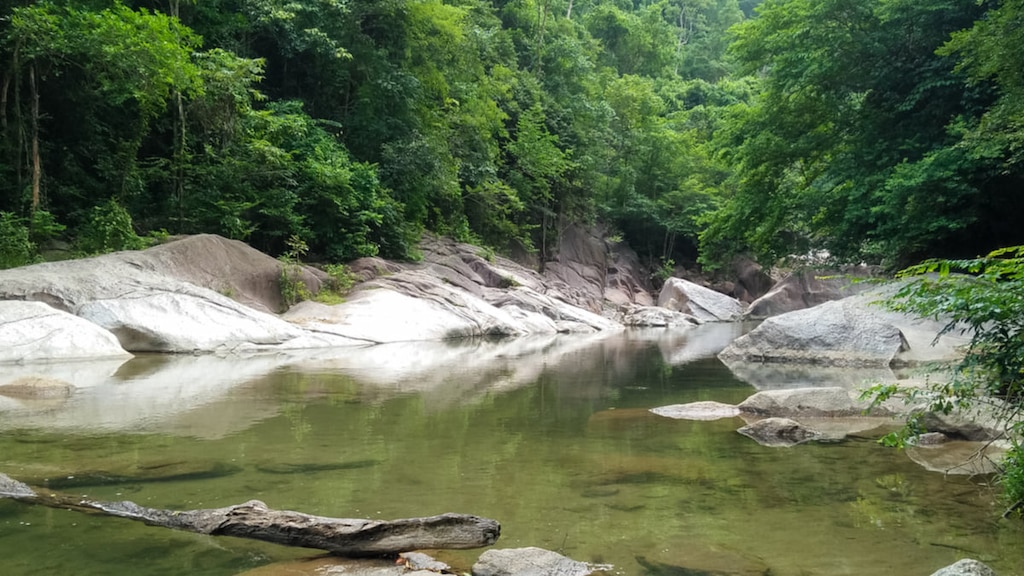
point(552, 436)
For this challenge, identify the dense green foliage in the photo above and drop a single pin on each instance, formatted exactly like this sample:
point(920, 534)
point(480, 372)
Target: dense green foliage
point(982, 297)
point(882, 130)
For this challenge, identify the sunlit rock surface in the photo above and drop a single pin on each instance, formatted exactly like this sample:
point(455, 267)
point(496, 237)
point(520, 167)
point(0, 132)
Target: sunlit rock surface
point(33, 331)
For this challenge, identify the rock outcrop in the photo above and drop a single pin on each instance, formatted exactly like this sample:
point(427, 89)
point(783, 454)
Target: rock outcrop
point(702, 303)
point(206, 294)
point(807, 288)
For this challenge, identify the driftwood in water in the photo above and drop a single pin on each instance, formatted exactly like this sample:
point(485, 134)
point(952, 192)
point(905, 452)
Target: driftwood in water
point(253, 519)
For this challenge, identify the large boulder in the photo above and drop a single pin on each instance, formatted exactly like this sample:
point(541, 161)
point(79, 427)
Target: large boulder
point(32, 331)
point(531, 561)
point(965, 567)
point(843, 333)
point(807, 288)
point(855, 332)
point(702, 303)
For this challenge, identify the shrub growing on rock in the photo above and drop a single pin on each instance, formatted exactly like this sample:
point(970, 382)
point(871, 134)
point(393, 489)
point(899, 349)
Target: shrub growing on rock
point(984, 298)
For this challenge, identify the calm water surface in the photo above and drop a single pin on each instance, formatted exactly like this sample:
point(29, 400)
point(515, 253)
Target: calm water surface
point(550, 436)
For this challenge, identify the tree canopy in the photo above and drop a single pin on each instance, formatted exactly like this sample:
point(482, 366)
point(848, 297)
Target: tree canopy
point(876, 130)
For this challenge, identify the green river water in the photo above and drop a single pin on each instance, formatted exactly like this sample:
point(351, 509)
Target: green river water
point(549, 436)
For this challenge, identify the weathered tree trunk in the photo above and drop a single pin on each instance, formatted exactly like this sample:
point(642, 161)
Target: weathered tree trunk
point(343, 536)
point(36, 168)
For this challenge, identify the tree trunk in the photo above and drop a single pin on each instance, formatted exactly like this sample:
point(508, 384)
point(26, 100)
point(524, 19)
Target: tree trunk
point(342, 536)
point(36, 168)
point(3, 103)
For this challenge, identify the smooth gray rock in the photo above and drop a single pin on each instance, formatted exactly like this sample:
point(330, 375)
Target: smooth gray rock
point(703, 303)
point(706, 410)
point(34, 331)
point(531, 561)
point(807, 402)
point(842, 333)
point(965, 567)
point(779, 432)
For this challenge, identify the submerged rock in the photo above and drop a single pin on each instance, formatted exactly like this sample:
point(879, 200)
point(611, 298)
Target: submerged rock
point(965, 567)
point(34, 387)
point(779, 432)
point(532, 561)
point(959, 457)
point(408, 564)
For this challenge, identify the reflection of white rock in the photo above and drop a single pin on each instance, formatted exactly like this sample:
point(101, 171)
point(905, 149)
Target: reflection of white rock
point(698, 342)
point(468, 364)
point(148, 394)
point(960, 457)
point(779, 376)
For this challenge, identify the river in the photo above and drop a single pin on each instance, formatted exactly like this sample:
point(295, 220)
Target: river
point(550, 436)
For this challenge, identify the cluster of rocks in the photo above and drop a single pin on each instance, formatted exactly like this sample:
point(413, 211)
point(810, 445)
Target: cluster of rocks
point(530, 561)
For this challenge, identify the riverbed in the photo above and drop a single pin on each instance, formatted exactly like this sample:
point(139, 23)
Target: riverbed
point(551, 436)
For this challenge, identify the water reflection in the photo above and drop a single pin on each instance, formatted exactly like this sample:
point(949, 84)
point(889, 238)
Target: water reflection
point(551, 436)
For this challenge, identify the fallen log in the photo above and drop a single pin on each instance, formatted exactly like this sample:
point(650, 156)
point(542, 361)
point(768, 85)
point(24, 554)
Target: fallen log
point(253, 519)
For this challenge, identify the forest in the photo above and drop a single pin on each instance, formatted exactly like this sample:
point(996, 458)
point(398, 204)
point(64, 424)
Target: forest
point(881, 131)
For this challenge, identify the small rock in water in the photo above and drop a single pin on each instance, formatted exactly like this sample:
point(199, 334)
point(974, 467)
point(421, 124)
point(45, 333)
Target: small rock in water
point(698, 411)
point(965, 567)
point(532, 561)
